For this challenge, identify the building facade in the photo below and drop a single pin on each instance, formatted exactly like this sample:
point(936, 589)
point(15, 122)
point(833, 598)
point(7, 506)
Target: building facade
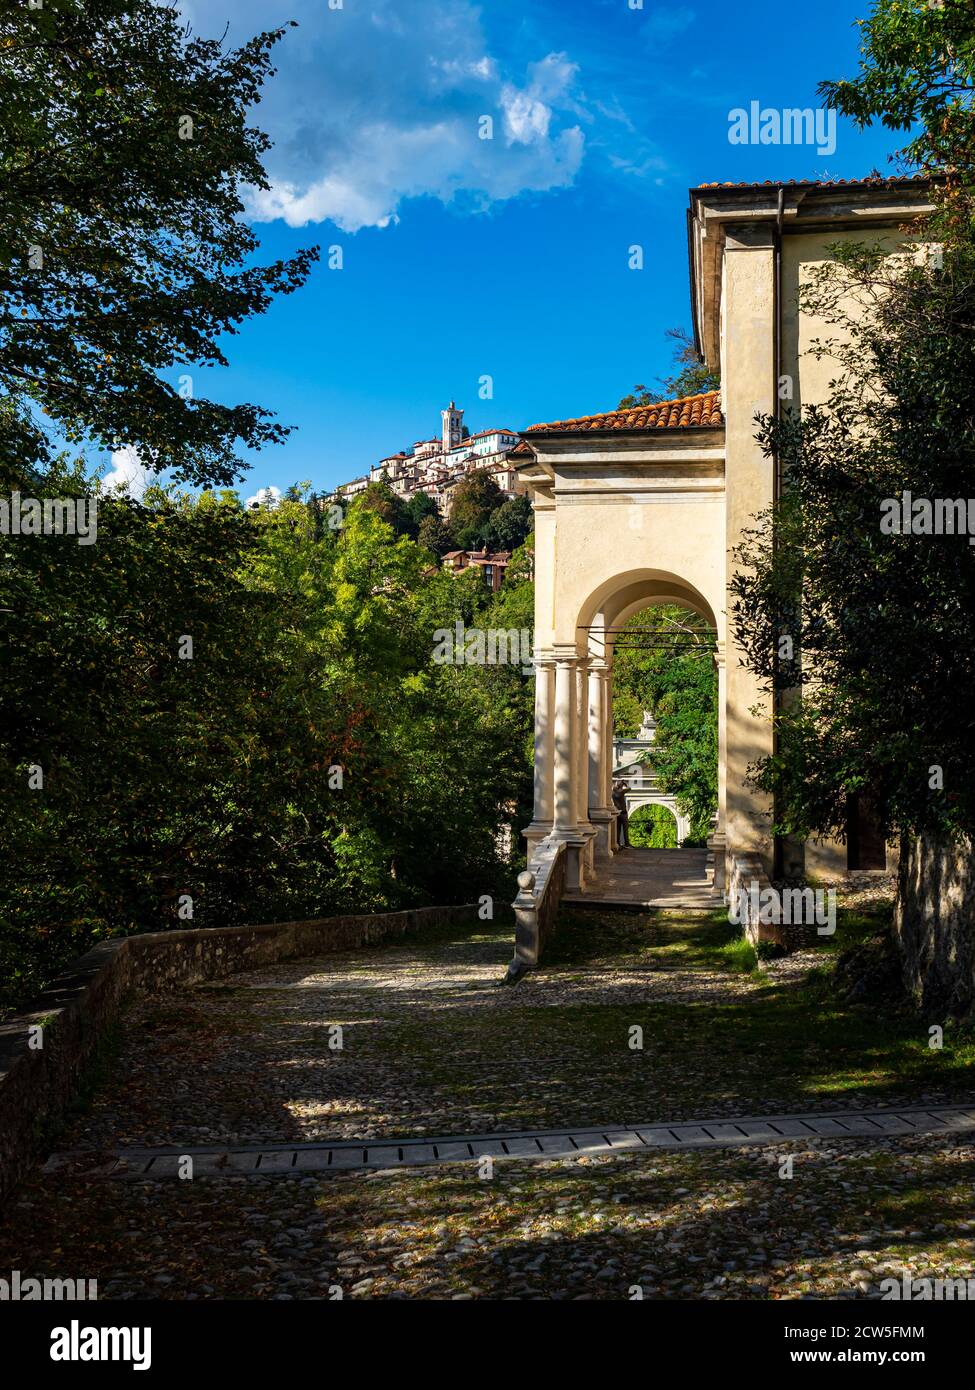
point(647, 506)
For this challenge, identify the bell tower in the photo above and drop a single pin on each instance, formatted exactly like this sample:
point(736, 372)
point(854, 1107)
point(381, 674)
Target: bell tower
point(452, 423)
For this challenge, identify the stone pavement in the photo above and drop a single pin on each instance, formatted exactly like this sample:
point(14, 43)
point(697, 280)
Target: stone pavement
point(357, 1049)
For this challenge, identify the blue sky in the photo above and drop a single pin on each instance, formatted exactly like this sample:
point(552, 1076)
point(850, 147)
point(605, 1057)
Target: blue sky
point(507, 258)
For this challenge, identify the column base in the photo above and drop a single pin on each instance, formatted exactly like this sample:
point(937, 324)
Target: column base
point(604, 824)
point(535, 833)
point(579, 842)
point(718, 845)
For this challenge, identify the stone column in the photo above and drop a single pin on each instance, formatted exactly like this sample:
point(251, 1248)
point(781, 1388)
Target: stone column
point(565, 823)
point(542, 815)
point(608, 762)
point(722, 736)
point(718, 842)
point(586, 831)
point(582, 741)
point(599, 810)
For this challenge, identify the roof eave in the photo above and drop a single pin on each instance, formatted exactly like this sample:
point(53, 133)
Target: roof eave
point(642, 432)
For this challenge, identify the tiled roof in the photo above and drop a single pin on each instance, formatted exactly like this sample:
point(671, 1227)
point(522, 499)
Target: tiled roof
point(688, 412)
point(871, 181)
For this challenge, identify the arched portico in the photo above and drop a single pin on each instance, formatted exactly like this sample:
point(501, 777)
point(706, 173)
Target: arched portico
point(574, 725)
point(626, 516)
point(650, 504)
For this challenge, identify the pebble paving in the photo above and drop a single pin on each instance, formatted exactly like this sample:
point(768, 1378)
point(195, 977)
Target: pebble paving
point(417, 1041)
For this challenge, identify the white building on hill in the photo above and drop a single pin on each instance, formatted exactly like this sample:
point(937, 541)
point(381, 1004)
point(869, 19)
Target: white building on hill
point(436, 465)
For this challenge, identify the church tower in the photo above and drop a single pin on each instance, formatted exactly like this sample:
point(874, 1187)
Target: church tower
point(452, 422)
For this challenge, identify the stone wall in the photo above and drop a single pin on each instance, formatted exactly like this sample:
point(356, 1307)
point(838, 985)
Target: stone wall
point(934, 923)
point(74, 1018)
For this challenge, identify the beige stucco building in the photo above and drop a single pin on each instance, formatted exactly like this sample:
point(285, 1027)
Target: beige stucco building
point(646, 506)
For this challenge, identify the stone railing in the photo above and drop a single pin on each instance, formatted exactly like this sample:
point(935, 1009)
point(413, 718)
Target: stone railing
point(794, 910)
point(45, 1050)
point(540, 889)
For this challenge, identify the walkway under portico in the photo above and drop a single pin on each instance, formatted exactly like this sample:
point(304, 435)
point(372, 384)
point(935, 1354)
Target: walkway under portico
point(652, 878)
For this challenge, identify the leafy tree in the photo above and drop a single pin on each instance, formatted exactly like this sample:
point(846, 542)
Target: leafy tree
point(470, 538)
point(917, 75)
point(678, 684)
point(521, 567)
point(627, 710)
point(691, 377)
point(652, 827)
point(475, 497)
point(434, 534)
point(508, 526)
point(420, 506)
point(208, 777)
point(380, 498)
point(123, 252)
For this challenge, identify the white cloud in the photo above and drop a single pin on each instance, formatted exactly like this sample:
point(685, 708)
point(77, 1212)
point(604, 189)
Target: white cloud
point(128, 472)
point(264, 497)
point(375, 104)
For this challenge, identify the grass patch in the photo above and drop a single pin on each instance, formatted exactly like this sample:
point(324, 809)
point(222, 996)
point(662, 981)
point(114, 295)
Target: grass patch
point(738, 954)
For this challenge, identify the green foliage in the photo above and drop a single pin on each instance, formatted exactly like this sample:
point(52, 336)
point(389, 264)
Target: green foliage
point(652, 827)
point(421, 507)
point(379, 497)
point(627, 710)
point(769, 950)
point(434, 534)
point(123, 252)
point(214, 777)
point(509, 525)
point(475, 497)
point(679, 686)
point(691, 377)
point(739, 955)
point(521, 568)
point(917, 75)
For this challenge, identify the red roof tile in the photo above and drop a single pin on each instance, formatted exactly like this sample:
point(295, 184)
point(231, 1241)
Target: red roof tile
point(871, 181)
point(688, 412)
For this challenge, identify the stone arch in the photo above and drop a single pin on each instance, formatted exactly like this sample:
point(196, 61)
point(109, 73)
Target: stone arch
point(610, 605)
point(638, 800)
point(619, 597)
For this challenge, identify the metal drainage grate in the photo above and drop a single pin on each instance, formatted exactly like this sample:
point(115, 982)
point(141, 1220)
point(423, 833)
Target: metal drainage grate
point(533, 1144)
